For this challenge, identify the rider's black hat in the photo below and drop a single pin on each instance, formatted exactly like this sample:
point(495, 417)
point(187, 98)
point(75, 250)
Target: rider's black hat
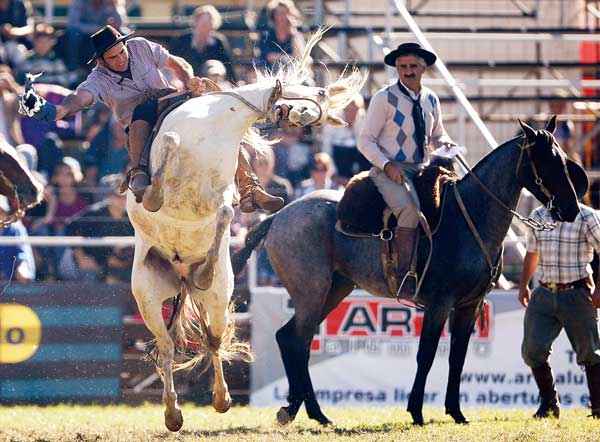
point(578, 177)
point(410, 49)
point(104, 39)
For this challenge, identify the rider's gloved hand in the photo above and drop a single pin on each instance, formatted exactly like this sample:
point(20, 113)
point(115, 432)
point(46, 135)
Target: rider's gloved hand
point(196, 86)
point(33, 105)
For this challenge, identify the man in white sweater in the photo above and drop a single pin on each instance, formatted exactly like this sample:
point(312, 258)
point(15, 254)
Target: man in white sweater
point(402, 121)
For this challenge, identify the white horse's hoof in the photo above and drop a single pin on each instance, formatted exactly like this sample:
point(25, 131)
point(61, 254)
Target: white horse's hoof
point(173, 419)
point(222, 406)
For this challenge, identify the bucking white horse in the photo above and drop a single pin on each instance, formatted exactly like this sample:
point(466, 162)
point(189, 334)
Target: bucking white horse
point(184, 247)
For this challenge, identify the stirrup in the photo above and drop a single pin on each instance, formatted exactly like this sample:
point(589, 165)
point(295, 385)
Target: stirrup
point(408, 275)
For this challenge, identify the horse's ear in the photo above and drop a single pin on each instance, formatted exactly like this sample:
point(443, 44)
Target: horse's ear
point(551, 126)
point(527, 130)
point(334, 121)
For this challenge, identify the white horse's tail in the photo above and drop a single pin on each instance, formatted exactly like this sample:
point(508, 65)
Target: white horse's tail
point(194, 339)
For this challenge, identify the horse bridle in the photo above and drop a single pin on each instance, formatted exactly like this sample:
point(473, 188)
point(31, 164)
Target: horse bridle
point(526, 146)
point(528, 221)
point(19, 212)
point(273, 111)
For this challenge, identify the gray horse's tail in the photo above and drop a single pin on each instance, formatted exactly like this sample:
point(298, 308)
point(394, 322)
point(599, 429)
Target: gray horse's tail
point(253, 239)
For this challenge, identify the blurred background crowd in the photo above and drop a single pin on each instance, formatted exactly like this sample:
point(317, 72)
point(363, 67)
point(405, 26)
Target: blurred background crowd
point(82, 160)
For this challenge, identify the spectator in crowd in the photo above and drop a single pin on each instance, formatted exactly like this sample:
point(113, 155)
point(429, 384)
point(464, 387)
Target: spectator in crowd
point(67, 175)
point(105, 218)
point(321, 174)
point(282, 39)
point(341, 142)
point(108, 153)
point(42, 58)
point(403, 120)
point(292, 153)
point(566, 298)
point(16, 262)
point(564, 129)
point(85, 18)
point(50, 154)
point(215, 70)
point(264, 165)
point(10, 127)
point(37, 219)
point(204, 43)
point(16, 24)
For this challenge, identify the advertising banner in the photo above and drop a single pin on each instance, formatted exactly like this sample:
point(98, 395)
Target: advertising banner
point(61, 341)
point(365, 355)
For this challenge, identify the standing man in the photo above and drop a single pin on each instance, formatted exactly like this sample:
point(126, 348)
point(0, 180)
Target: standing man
point(566, 297)
point(127, 78)
point(403, 119)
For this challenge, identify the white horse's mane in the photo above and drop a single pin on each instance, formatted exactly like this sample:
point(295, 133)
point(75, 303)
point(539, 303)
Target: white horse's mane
point(295, 70)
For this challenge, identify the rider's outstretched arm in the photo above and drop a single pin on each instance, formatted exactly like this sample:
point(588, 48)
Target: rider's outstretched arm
point(74, 103)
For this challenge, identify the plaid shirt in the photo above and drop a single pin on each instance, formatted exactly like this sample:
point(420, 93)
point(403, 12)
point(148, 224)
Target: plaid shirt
point(566, 251)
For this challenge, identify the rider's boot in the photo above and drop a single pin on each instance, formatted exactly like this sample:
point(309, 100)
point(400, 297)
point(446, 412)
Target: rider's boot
point(139, 131)
point(405, 239)
point(549, 404)
point(252, 195)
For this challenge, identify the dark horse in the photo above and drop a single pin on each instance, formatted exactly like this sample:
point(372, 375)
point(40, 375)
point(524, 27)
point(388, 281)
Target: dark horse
point(319, 267)
point(17, 184)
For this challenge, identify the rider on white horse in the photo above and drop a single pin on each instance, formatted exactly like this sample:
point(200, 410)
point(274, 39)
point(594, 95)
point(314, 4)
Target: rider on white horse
point(127, 79)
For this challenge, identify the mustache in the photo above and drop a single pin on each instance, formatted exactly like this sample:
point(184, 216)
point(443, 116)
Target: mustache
point(409, 75)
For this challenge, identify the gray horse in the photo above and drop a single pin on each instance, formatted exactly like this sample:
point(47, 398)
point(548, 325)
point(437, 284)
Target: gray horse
point(319, 267)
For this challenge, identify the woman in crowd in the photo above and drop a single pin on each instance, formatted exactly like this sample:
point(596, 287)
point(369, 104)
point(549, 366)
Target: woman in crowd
point(321, 173)
point(204, 42)
point(282, 39)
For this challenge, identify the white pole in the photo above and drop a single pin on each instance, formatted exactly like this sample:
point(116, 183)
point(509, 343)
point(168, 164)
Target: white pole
point(49, 12)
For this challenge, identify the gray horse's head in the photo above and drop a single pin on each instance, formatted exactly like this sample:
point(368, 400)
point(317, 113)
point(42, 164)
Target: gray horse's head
point(547, 173)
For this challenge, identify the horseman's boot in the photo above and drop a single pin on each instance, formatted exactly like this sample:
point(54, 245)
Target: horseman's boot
point(592, 373)
point(549, 405)
point(139, 131)
point(252, 195)
point(405, 239)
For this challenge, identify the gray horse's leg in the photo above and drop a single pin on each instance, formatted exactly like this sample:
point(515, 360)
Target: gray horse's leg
point(294, 340)
point(433, 323)
point(462, 325)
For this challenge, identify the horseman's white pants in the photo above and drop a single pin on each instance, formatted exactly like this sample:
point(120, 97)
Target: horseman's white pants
point(400, 198)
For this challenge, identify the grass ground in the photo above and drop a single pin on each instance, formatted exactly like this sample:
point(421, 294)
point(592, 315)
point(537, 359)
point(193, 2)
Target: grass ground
point(66, 423)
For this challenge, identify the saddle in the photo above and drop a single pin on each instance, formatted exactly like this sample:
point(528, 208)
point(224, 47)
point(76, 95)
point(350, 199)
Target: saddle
point(361, 211)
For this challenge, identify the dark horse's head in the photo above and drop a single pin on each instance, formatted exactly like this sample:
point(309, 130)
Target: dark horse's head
point(16, 181)
point(547, 173)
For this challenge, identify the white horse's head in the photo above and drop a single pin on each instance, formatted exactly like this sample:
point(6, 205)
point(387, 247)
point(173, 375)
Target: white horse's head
point(308, 105)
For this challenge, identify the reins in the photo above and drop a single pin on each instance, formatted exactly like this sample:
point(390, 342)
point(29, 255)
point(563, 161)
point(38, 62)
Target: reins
point(494, 267)
point(535, 225)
